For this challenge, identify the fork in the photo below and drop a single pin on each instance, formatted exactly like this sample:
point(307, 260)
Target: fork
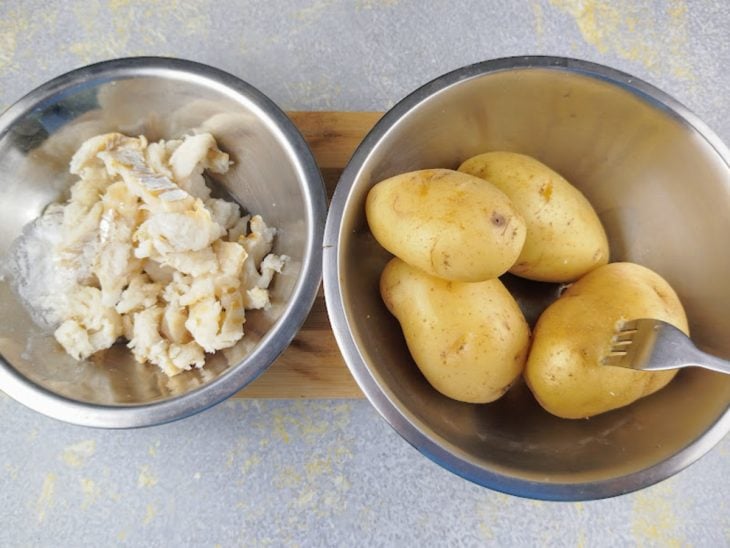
point(654, 345)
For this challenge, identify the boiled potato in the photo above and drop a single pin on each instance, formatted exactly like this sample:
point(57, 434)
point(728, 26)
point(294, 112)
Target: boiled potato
point(564, 369)
point(565, 238)
point(469, 340)
point(449, 224)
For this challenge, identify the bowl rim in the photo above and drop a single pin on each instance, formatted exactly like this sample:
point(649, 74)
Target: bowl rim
point(279, 336)
point(411, 428)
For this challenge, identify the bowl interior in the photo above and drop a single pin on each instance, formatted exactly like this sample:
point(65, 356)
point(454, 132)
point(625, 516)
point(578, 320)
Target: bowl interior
point(663, 194)
point(265, 178)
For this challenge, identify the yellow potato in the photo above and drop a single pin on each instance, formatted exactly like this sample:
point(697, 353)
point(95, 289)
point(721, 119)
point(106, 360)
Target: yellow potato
point(574, 333)
point(469, 340)
point(565, 238)
point(449, 224)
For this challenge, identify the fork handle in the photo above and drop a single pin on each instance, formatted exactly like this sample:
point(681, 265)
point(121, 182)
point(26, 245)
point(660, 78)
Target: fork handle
point(713, 363)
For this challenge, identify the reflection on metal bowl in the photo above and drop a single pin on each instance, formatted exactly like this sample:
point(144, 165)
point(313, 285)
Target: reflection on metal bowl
point(273, 174)
point(660, 182)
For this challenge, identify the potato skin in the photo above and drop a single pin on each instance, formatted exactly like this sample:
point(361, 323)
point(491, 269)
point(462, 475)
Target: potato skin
point(565, 238)
point(470, 340)
point(449, 224)
point(574, 333)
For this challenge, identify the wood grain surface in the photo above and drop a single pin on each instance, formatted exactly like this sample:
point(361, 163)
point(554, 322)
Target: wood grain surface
point(312, 366)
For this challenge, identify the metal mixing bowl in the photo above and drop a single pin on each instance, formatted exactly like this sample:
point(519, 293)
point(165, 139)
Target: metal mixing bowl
point(660, 182)
point(274, 174)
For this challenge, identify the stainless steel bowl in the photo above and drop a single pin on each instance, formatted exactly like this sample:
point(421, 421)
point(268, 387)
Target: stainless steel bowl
point(274, 174)
point(660, 181)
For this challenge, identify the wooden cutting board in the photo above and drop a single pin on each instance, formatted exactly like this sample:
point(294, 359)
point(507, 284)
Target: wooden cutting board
point(312, 366)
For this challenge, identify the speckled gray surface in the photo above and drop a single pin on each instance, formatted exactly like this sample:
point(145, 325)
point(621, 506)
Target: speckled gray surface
point(334, 473)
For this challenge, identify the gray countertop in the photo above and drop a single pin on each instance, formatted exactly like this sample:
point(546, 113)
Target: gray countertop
point(333, 472)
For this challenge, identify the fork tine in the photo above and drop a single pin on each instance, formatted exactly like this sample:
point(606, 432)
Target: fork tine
point(621, 344)
point(622, 338)
point(630, 325)
point(618, 351)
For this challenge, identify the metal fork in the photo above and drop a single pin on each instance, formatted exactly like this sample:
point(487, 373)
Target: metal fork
point(654, 345)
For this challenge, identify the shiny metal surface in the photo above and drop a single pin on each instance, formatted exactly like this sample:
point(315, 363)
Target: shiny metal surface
point(660, 182)
point(648, 344)
point(274, 174)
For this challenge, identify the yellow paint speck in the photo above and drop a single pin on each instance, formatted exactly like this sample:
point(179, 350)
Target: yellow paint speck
point(342, 452)
point(19, 32)
point(150, 514)
point(115, 5)
point(539, 19)
point(313, 11)
point(486, 531)
point(279, 428)
point(629, 30)
point(77, 454)
point(318, 467)
point(122, 536)
point(12, 471)
point(654, 520)
point(10, 28)
point(319, 485)
point(90, 492)
point(146, 478)
point(342, 483)
point(249, 463)
point(305, 498)
point(45, 500)
point(373, 4)
point(189, 18)
point(152, 449)
point(287, 477)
